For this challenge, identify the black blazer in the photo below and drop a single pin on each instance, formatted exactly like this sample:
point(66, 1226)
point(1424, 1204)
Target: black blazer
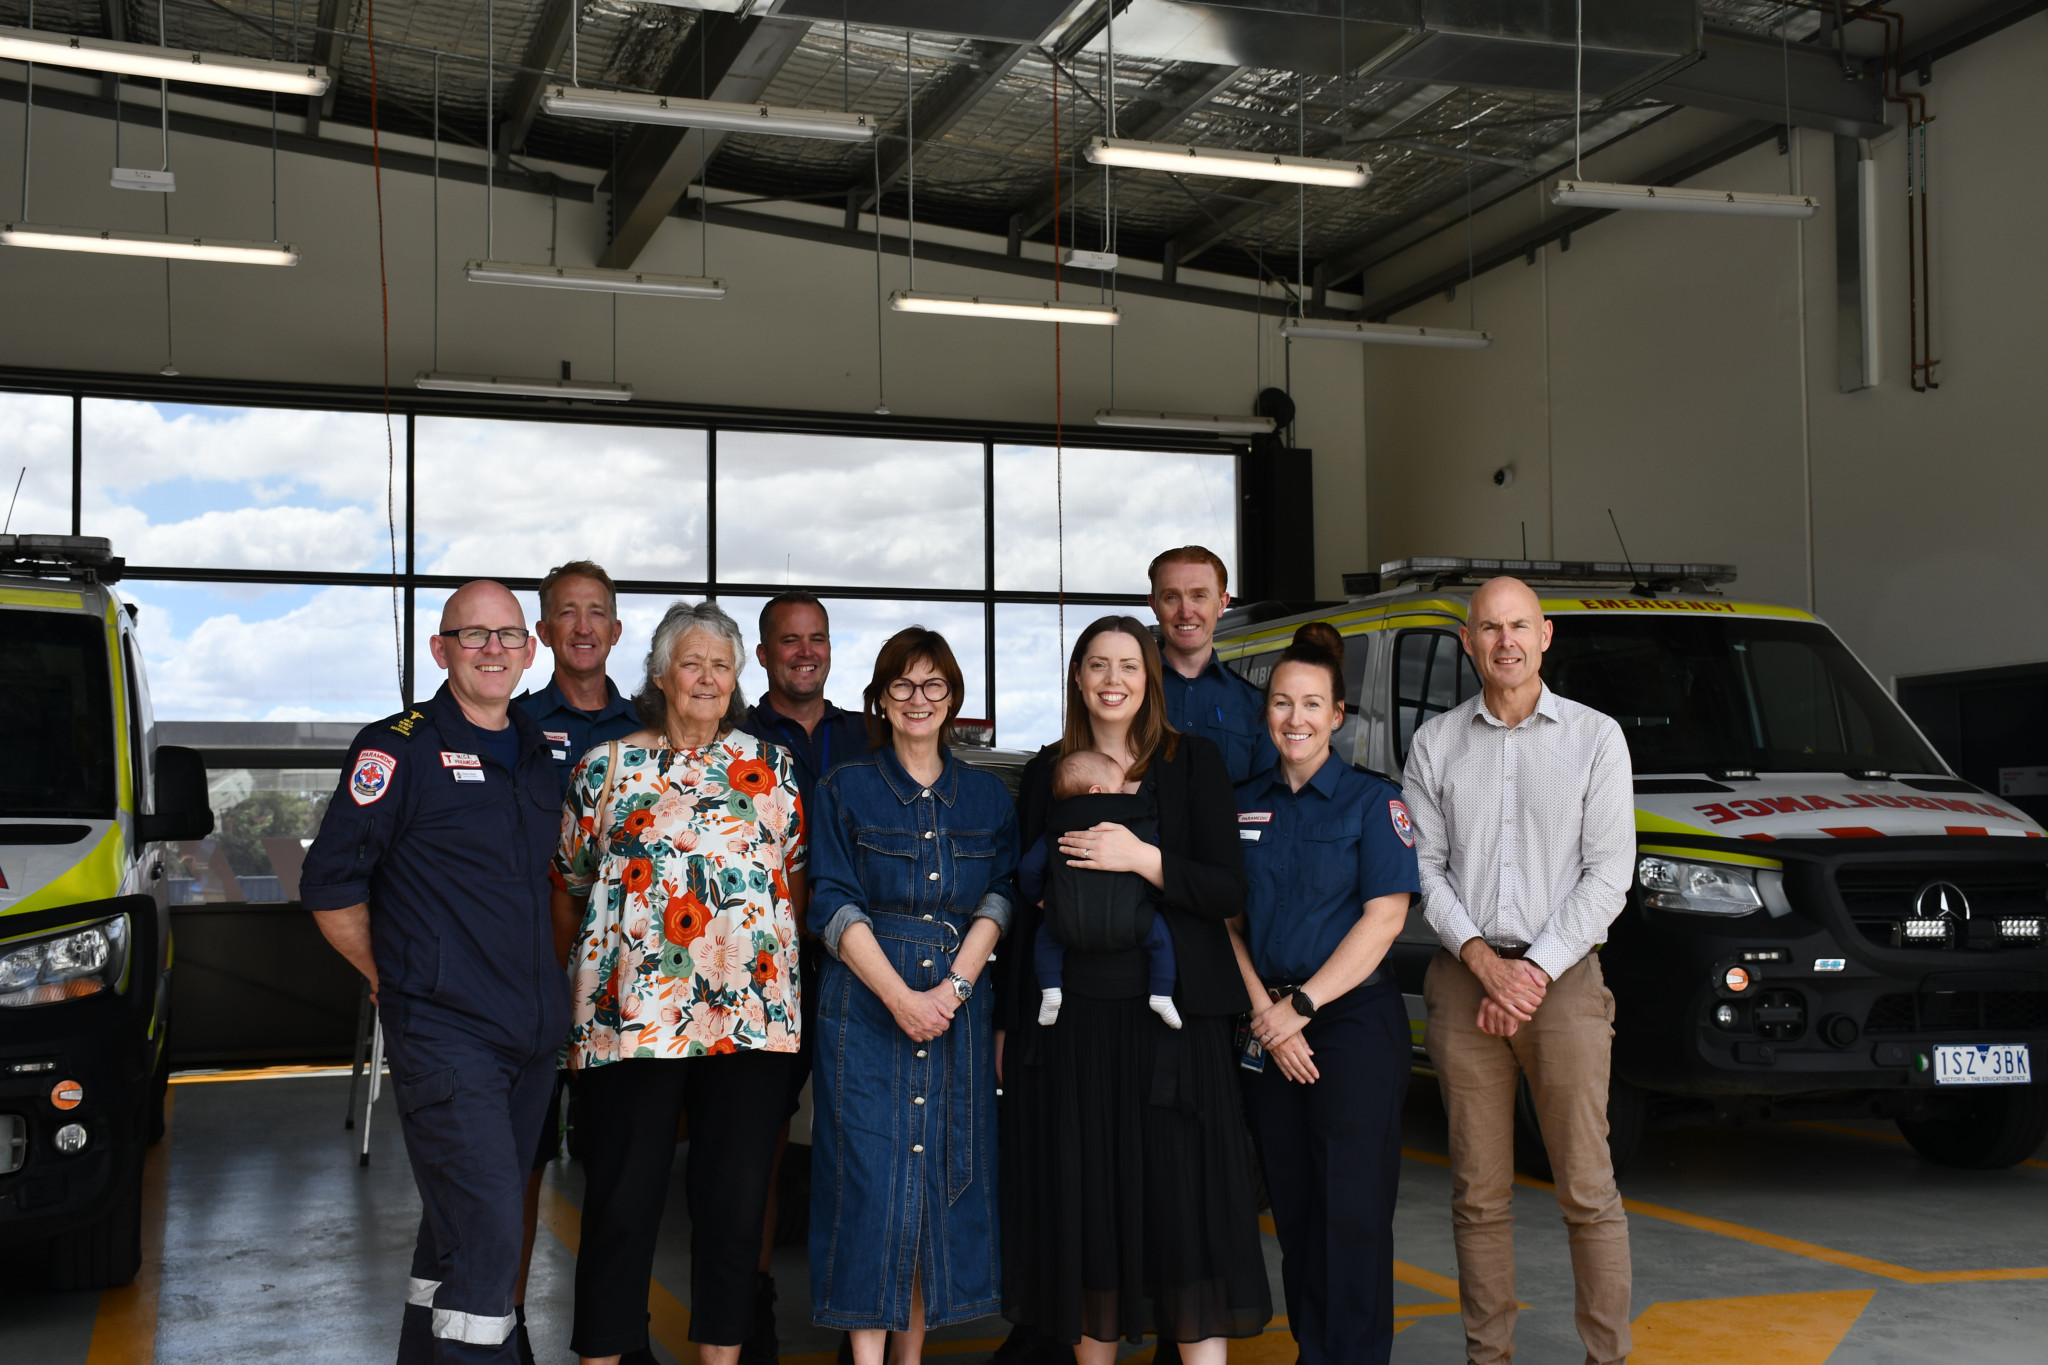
point(1204, 875)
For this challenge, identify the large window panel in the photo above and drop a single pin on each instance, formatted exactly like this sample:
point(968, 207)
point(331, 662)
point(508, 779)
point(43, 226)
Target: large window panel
point(1031, 669)
point(859, 630)
point(38, 451)
point(186, 486)
point(518, 498)
point(1121, 507)
point(846, 512)
point(218, 651)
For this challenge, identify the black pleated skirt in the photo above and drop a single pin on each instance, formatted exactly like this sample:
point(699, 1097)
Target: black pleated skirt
point(1128, 1196)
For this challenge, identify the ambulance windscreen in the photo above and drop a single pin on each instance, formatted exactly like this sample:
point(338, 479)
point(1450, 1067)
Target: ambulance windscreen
point(1709, 694)
point(56, 710)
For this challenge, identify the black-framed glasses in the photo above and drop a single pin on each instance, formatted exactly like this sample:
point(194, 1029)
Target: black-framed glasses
point(476, 637)
point(903, 689)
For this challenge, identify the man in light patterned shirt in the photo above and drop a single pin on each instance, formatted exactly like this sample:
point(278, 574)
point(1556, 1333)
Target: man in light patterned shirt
point(1524, 819)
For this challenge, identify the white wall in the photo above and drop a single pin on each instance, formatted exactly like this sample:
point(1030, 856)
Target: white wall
point(796, 331)
point(1655, 368)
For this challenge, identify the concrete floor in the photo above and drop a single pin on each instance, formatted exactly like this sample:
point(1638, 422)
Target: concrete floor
point(1775, 1242)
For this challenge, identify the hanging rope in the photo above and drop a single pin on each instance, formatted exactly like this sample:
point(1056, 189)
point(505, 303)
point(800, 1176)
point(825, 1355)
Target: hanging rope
point(1059, 407)
point(384, 301)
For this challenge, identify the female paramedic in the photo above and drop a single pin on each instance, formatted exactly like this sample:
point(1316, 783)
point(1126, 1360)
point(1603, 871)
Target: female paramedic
point(1329, 856)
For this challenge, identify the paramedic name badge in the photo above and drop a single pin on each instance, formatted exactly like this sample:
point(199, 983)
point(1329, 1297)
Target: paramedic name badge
point(372, 776)
point(1403, 824)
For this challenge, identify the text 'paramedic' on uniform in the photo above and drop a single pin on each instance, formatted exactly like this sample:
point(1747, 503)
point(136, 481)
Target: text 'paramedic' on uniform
point(430, 875)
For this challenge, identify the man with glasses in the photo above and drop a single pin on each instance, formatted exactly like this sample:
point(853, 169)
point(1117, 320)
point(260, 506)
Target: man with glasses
point(796, 652)
point(578, 710)
point(430, 875)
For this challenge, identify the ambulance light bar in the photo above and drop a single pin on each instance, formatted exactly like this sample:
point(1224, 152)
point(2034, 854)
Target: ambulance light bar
point(1440, 568)
point(39, 555)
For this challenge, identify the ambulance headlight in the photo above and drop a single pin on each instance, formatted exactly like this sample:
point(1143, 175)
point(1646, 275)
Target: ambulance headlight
point(1697, 888)
point(66, 965)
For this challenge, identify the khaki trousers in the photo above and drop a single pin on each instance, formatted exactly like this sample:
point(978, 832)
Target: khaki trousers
point(1564, 1051)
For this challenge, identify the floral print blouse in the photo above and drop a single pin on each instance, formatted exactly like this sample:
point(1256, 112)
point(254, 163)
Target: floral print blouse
point(688, 944)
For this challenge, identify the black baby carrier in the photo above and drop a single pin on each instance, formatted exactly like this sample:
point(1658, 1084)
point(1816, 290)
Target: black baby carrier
point(1092, 911)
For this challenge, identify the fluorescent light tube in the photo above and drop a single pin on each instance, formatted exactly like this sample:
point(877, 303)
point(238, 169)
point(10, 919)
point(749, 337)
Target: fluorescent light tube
point(594, 279)
point(1027, 310)
point(1088, 260)
point(107, 243)
point(1385, 333)
point(1185, 421)
point(523, 388)
point(617, 106)
point(1227, 161)
point(1593, 194)
point(161, 63)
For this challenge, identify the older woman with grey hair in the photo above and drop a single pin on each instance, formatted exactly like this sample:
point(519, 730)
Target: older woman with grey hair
point(680, 865)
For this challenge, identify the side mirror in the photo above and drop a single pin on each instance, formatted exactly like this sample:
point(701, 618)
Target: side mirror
point(183, 810)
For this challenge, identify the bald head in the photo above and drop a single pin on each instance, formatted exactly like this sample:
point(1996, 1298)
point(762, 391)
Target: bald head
point(1506, 634)
point(483, 679)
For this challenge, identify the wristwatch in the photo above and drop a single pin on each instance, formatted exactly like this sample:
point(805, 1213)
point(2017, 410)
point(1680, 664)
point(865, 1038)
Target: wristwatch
point(962, 987)
point(1303, 1006)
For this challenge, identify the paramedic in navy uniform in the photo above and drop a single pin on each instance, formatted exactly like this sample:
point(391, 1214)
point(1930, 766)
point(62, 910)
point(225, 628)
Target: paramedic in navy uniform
point(1329, 858)
point(1189, 591)
point(430, 876)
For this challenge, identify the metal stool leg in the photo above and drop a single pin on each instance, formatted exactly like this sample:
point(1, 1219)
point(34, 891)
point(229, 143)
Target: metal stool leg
point(348, 1120)
point(376, 1086)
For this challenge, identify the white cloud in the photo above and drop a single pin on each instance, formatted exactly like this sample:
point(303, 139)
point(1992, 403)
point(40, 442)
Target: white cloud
point(35, 449)
point(304, 538)
point(1121, 508)
point(329, 658)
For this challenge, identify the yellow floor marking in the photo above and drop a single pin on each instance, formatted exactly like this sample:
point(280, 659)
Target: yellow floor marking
point(1791, 1245)
point(124, 1327)
point(1785, 1329)
point(1875, 1136)
point(261, 1073)
point(1407, 1274)
point(669, 1320)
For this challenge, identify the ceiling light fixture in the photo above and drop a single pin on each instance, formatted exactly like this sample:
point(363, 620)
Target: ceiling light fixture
point(1232, 162)
point(161, 64)
point(104, 242)
point(1384, 333)
point(1594, 194)
point(523, 388)
point(1215, 425)
point(1025, 310)
point(618, 106)
point(594, 279)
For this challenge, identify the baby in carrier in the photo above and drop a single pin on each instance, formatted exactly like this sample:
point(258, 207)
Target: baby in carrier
point(1088, 910)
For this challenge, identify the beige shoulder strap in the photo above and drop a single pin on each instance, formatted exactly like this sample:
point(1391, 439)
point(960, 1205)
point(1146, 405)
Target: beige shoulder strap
point(611, 791)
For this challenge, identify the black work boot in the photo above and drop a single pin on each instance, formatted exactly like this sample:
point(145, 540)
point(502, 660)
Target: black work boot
point(762, 1346)
point(520, 1343)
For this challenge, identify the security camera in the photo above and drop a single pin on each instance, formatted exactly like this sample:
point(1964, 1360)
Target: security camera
point(1503, 476)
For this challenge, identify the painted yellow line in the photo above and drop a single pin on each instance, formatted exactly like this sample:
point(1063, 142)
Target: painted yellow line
point(1790, 1245)
point(1785, 1329)
point(1407, 1274)
point(668, 1320)
point(124, 1327)
point(261, 1073)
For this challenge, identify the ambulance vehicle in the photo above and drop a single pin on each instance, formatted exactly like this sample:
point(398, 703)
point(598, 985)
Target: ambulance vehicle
point(1825, 921)
point(90, 809)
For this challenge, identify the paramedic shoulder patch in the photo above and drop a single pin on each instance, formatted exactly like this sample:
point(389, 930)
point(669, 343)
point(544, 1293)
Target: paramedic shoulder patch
point(1403, 825)
point(371, 777)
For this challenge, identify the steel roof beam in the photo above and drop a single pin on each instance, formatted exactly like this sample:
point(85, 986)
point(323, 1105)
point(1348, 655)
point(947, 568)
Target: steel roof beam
point(1193, 240)
point(939, 107)
point(544, 49)
point(327, 39)
point(722, 58)
point(1204, 84)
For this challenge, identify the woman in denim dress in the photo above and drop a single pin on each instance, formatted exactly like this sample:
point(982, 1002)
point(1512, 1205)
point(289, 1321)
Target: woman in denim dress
point(912, 859)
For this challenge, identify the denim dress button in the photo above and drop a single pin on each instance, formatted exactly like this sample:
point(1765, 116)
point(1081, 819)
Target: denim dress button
point(917, 1147)
point(927, 834)
point(925, 962)
point(922, 1053)
point(931, 876)
point(917, 1099)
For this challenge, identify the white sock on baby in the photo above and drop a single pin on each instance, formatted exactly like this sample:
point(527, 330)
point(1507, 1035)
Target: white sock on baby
point(1162, 1005)
point(1049, 1007)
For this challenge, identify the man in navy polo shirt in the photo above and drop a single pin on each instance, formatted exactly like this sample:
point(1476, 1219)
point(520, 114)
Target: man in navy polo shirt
point(578, 710)
point(1189, 591)
point(796, 652)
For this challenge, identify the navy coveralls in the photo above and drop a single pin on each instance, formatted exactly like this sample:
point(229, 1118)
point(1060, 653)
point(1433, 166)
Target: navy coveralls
point(572, 733)
point(1331, 1150)
point(1221, 706)
point(450, 851)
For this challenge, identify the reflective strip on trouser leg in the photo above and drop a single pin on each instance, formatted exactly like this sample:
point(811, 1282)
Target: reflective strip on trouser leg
point(419, 1293)
point(450, 1325)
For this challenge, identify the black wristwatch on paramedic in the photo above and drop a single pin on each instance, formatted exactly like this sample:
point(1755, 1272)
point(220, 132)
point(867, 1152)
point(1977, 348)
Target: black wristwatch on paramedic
point(1303, 1006)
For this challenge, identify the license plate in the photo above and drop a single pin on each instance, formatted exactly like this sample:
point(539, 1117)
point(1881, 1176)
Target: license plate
point(1983, 1064)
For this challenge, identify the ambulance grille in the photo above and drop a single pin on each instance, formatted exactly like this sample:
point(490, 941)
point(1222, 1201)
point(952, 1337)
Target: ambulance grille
point(1878, 895)
point(1958, 1012)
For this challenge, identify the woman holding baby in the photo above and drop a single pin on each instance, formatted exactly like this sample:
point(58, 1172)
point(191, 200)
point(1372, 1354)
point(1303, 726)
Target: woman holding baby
point(1127, 1192)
